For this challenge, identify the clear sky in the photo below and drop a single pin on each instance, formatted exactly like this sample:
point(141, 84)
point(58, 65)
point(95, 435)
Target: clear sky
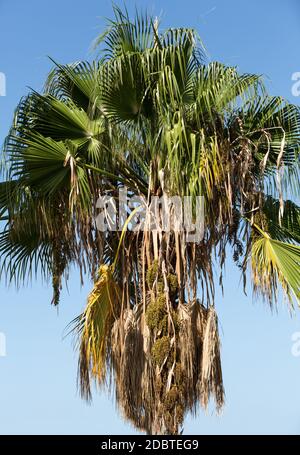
point(38, 375)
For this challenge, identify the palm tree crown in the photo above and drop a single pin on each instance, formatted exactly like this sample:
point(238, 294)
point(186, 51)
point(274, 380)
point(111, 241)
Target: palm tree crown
point(151, 115)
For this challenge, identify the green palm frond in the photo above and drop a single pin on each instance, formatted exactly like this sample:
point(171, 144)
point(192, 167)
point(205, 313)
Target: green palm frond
point(24, 254)
point(7, 195)
point(274, 262)
point(218, 87)
point(285, 227)
point(77, 82)
point(41, 161)
point(64, 120)
point(49, 166)
point(274, 126)
point(126, 36)
point(124, 92)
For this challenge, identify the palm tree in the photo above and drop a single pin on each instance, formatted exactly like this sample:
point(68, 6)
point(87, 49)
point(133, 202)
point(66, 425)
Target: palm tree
point(151, 115)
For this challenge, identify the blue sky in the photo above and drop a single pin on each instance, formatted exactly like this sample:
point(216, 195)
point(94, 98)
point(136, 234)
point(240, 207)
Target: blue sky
point(38, 375)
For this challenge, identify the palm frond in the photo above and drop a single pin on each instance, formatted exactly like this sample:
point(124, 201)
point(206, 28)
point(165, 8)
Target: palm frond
point(77, 82)
point(286, 227)
point(273, 263)
point(93, 328)
point(123, 35)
